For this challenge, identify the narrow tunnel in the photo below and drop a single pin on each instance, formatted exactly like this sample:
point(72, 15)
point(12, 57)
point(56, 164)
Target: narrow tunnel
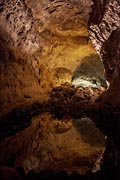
point(59, 89)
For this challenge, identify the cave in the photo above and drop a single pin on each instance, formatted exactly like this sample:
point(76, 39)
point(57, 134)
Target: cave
point(59, 89)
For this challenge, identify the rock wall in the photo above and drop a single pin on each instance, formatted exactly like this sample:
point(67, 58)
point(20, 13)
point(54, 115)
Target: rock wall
point(37, 39)
point(18, 43)
point(105, 35)
point(104, 29)
point(104, 19)
point(20, 27)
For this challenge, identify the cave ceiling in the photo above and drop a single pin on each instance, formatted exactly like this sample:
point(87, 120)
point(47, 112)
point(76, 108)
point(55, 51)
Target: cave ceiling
point(44, 44)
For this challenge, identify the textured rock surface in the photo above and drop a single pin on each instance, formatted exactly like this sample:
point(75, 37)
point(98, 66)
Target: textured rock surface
point(111, 60)
point(105, 32)
point(37, 39)
point(105, 35)
point(18, 42)
point(103, 21)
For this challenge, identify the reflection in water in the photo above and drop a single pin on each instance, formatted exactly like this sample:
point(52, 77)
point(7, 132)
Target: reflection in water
point(88, 131)
point(54, 144)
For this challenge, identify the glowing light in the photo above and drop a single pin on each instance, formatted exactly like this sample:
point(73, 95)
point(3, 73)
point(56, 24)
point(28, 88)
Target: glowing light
point(85, 83)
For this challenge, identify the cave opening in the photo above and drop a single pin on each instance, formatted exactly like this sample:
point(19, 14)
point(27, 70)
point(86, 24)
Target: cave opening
point(54, 93)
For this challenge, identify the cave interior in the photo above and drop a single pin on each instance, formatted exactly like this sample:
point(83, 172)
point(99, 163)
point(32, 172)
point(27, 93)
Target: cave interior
point(59, 89)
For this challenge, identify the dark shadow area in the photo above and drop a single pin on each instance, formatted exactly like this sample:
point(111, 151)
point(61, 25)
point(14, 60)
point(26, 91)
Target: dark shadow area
point(18, 173)
point(20, 117)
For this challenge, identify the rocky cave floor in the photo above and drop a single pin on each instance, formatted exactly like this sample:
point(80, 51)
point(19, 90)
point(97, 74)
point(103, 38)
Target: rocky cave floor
point(64, 105)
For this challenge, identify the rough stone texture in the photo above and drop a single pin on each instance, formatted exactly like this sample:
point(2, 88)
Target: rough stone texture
point(36, 39)
point(17, 19)
point(111, 59)
point(18, 42)
point(103, 21)
point(63, 24)
point(105, 34)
